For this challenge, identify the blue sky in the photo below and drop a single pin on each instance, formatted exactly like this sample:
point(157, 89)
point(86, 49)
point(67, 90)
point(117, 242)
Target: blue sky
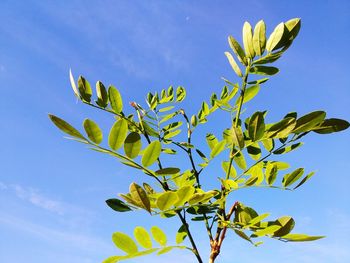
point(52, 190)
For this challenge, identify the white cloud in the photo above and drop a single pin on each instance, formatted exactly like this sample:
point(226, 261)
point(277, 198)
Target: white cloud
point(34, 197)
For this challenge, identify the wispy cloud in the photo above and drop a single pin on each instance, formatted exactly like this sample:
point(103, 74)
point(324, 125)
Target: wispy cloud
point(35, 197)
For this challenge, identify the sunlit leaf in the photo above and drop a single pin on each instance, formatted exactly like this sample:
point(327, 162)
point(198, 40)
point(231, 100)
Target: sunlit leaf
point(66, 127)
point(181, 234)
point(151, 153)
point(237, 49)
point(264, 70)
point(84, 89)
point(291, 178)
point(124, 242)
point(256, 126)
point(248, 40)
point(233, 64)
point(275, 37)
point(219, 147)
point(115, 99)
point(93, 131)
point(102, 95)
point(282, 128)
point(132, 145)
point(118, 134)
point(166, 200)
point(139, 196)
point(300, 237)
point(159, 235)
point(142, 237)
point(259, 38)
point(309, 121)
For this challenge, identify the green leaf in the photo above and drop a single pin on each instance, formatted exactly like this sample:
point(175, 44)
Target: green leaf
point(102, 95)
point(139, 196)
point(237, 136)
point(264, 70)
point(331, 125)
point(159, 235)
point(288, 149)
point(269, 58)
point(171, 134)
point(181, 234)
point(254, 151)
point(212, 141)
point(93, 131)
point(225, 167)
point(233, 64)
point(269, 144)
point(219, 147)
point(166, 200)
point(259, 38)
point(168, 171)
point(172, 126)
point(249, 94)
point(291, 178)
point(166, 109)
point(256, 127)
point(309, 121)
point(118, 205)
point(257, 219)
point(282, 128)
point(271, 173)
point(124, 242)
point(306, 178)
point(286, 223)
point(84, 89)
point(180, 94)
point(248, 40)
point(184, 194)
point(237, 49)
point(115, 99)
point(240, 160)
point(267, 231)
point(275, 37)
point(142, 237)
point(300, 237)
point(151, 153)
point(66, 127)
point(243, 235)
point(132, 145)
point(118, 134)
point(72, 83)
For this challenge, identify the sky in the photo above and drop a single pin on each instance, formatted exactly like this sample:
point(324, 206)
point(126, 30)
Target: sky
point(52, 190)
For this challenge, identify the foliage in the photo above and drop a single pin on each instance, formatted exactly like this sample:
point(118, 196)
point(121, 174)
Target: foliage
point(249, 149)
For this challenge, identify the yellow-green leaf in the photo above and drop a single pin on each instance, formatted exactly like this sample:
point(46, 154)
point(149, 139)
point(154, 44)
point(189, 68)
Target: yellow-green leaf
point(84, 89)
point(93, 131)
point(181, 234)
point(233, 64)
point(124, 242)
point(142, 237)
point(259, 38)
point(118, 134)
point(139, 197)
point(102, 95)
point(159, 235)
point(151, 153)
point(291, 178)
point(256, 127)
point(275, 37)
point(66, 127)
point(237, 49)
point(309, 121)
point(219, 147)
point(115, 99)
point(282, 128)
point(300, 237)
point(132, 145)
point(166, 200)
point(248, 40)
